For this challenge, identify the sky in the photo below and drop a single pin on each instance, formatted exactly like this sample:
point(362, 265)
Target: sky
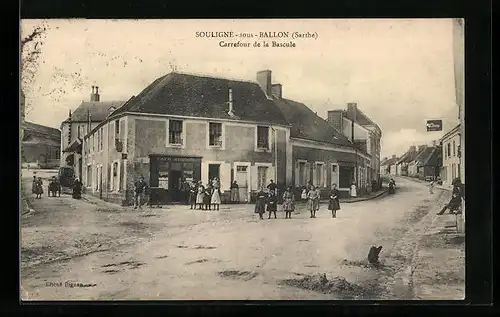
point(399, 71)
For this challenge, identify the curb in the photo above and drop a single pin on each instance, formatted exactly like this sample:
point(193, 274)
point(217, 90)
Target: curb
point(364, 199)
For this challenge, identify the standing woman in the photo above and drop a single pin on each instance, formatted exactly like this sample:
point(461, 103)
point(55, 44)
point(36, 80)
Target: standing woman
point(311, 195)
point(33, 185)
point(260, 203)
point(207, 199)
point(288, 202)
point(272, 203)
point(317, 196)
point(39, 188)
point(193, 191)
point(334, 203)
point(235, 193)
point(200, 196)
point(216, 194)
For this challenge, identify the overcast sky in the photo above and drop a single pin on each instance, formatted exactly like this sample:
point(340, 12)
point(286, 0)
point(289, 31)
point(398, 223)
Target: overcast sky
point(400, 72)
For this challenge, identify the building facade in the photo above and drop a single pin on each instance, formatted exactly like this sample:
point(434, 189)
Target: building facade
point(451, 154)
point(78, 124)
point(187, 127)
point(40, 145)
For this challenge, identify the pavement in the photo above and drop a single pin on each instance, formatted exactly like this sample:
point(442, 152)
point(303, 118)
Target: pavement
point(89, 249)
point(437, 271)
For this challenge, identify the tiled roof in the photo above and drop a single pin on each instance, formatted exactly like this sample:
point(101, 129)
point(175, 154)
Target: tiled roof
point(390, 161)
point(99, 110)
point(31, 128)
point(425, 155)
point(305, 124)
point(431, 158)
point(201, 96)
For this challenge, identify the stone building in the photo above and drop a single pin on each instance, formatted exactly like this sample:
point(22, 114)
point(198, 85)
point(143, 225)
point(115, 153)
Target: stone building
point(451, 154)
point(40, 145)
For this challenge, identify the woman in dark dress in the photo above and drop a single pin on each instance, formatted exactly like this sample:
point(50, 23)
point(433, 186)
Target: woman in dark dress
point(207, 199)
point(193, 192)
point(272, 203)
point(235, 193)
point(260, 203)
point(77, 189)
point(334, 203)
point(39, 188)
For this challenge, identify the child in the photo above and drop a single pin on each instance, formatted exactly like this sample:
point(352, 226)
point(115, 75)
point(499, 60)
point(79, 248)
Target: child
point(334, 203)
point(200, 197)
point(317, 196)
point(272, 204)
point(260, 203)
point(207, 199)
point(288, 203)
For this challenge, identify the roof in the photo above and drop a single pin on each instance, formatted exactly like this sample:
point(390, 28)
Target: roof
point(361, 118)
point(99, 110)
point(408, 156)
point(31, 128)
point(432, 158)
point(451, 132)
point(203, 96)
point(423, 157)
point(305, 124)
point(390, 161)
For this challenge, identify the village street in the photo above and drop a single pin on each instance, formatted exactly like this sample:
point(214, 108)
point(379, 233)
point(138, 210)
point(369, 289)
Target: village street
point(178, 253)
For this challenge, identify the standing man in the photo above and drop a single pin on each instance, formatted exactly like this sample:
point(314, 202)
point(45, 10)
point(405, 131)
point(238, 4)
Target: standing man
point(140, 188)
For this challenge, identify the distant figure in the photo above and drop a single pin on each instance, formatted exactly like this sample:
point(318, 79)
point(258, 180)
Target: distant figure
point(235, 193)
point(33, 184)
point(317, 197)
point(193, 191)
point(311, 202)
point(431, 187)
point(77, 189)
point(373, 255)
point(354, 193)
point(54, 187)
point(140, 189)
point(260, 203)
point(303, 195)
point(272, 203)
point(186, 191)
point(200, 196)
point(215, 199)
point(288, 202)
point(272, 186)
point(333, 203)
point(39, 188)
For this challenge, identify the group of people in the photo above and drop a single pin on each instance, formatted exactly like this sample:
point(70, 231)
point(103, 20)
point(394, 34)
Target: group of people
point(205, 197)
point(456, 198)
point(310, 193)
point(54, 188)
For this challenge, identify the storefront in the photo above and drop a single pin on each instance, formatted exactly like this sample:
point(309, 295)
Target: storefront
point(168, 174)
point(347, 174)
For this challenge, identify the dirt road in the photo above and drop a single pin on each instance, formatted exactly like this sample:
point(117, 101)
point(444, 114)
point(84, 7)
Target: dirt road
point(176, 253)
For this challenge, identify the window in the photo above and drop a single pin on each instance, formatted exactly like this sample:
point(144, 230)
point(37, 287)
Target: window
point(174, 132)
point(57, 154)
point(79, 131)
point(215, 134)
point(335, 175)
point(449, 149)
point(454, 153)
point(262, 137)
point(100, 141)
point(261, 177)
point(242, 168)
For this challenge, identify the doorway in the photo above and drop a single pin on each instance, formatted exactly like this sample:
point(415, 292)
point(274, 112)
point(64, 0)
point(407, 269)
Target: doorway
point(175, 185)
point(213, 171)
point(241, 178)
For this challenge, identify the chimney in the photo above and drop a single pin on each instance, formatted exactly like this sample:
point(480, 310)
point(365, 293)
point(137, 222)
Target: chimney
point(230, 102)
point(264, 80)
point(277, 90)
point(335, 119)
point(351, 110)
point(95, 94)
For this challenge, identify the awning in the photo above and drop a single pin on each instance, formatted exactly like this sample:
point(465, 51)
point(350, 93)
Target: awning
point(75, 146)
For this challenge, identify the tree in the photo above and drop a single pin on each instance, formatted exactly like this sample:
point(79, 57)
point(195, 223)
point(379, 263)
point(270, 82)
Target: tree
point(30, 48)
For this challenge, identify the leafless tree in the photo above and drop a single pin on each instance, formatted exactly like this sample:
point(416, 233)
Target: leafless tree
point(30, 47)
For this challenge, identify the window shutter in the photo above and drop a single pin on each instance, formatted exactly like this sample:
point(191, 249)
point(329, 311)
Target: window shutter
point(253, 177)
point(307, 170)
point(225, 176)
point(325, 182)
point(297, 175)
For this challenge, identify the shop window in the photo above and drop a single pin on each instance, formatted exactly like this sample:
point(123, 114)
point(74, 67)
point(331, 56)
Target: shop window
point(215, 134)
point(175, 132)
point(262, 137)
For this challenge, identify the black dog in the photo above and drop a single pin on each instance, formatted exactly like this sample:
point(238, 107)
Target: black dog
point(374, 254)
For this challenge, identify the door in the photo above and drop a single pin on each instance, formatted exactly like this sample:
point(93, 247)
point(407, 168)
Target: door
point(175, 185)
point(261, 177)
point(241, 177)
point(213, 171)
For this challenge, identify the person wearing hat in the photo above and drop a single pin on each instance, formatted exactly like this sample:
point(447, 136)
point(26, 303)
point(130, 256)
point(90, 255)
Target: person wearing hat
point(288, 202)
point(77, 189)
point(456, 197)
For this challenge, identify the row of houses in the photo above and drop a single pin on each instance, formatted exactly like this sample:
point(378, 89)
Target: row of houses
point(190, 127)
point(423, 162)
point(441, 160)
point(40, 145)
